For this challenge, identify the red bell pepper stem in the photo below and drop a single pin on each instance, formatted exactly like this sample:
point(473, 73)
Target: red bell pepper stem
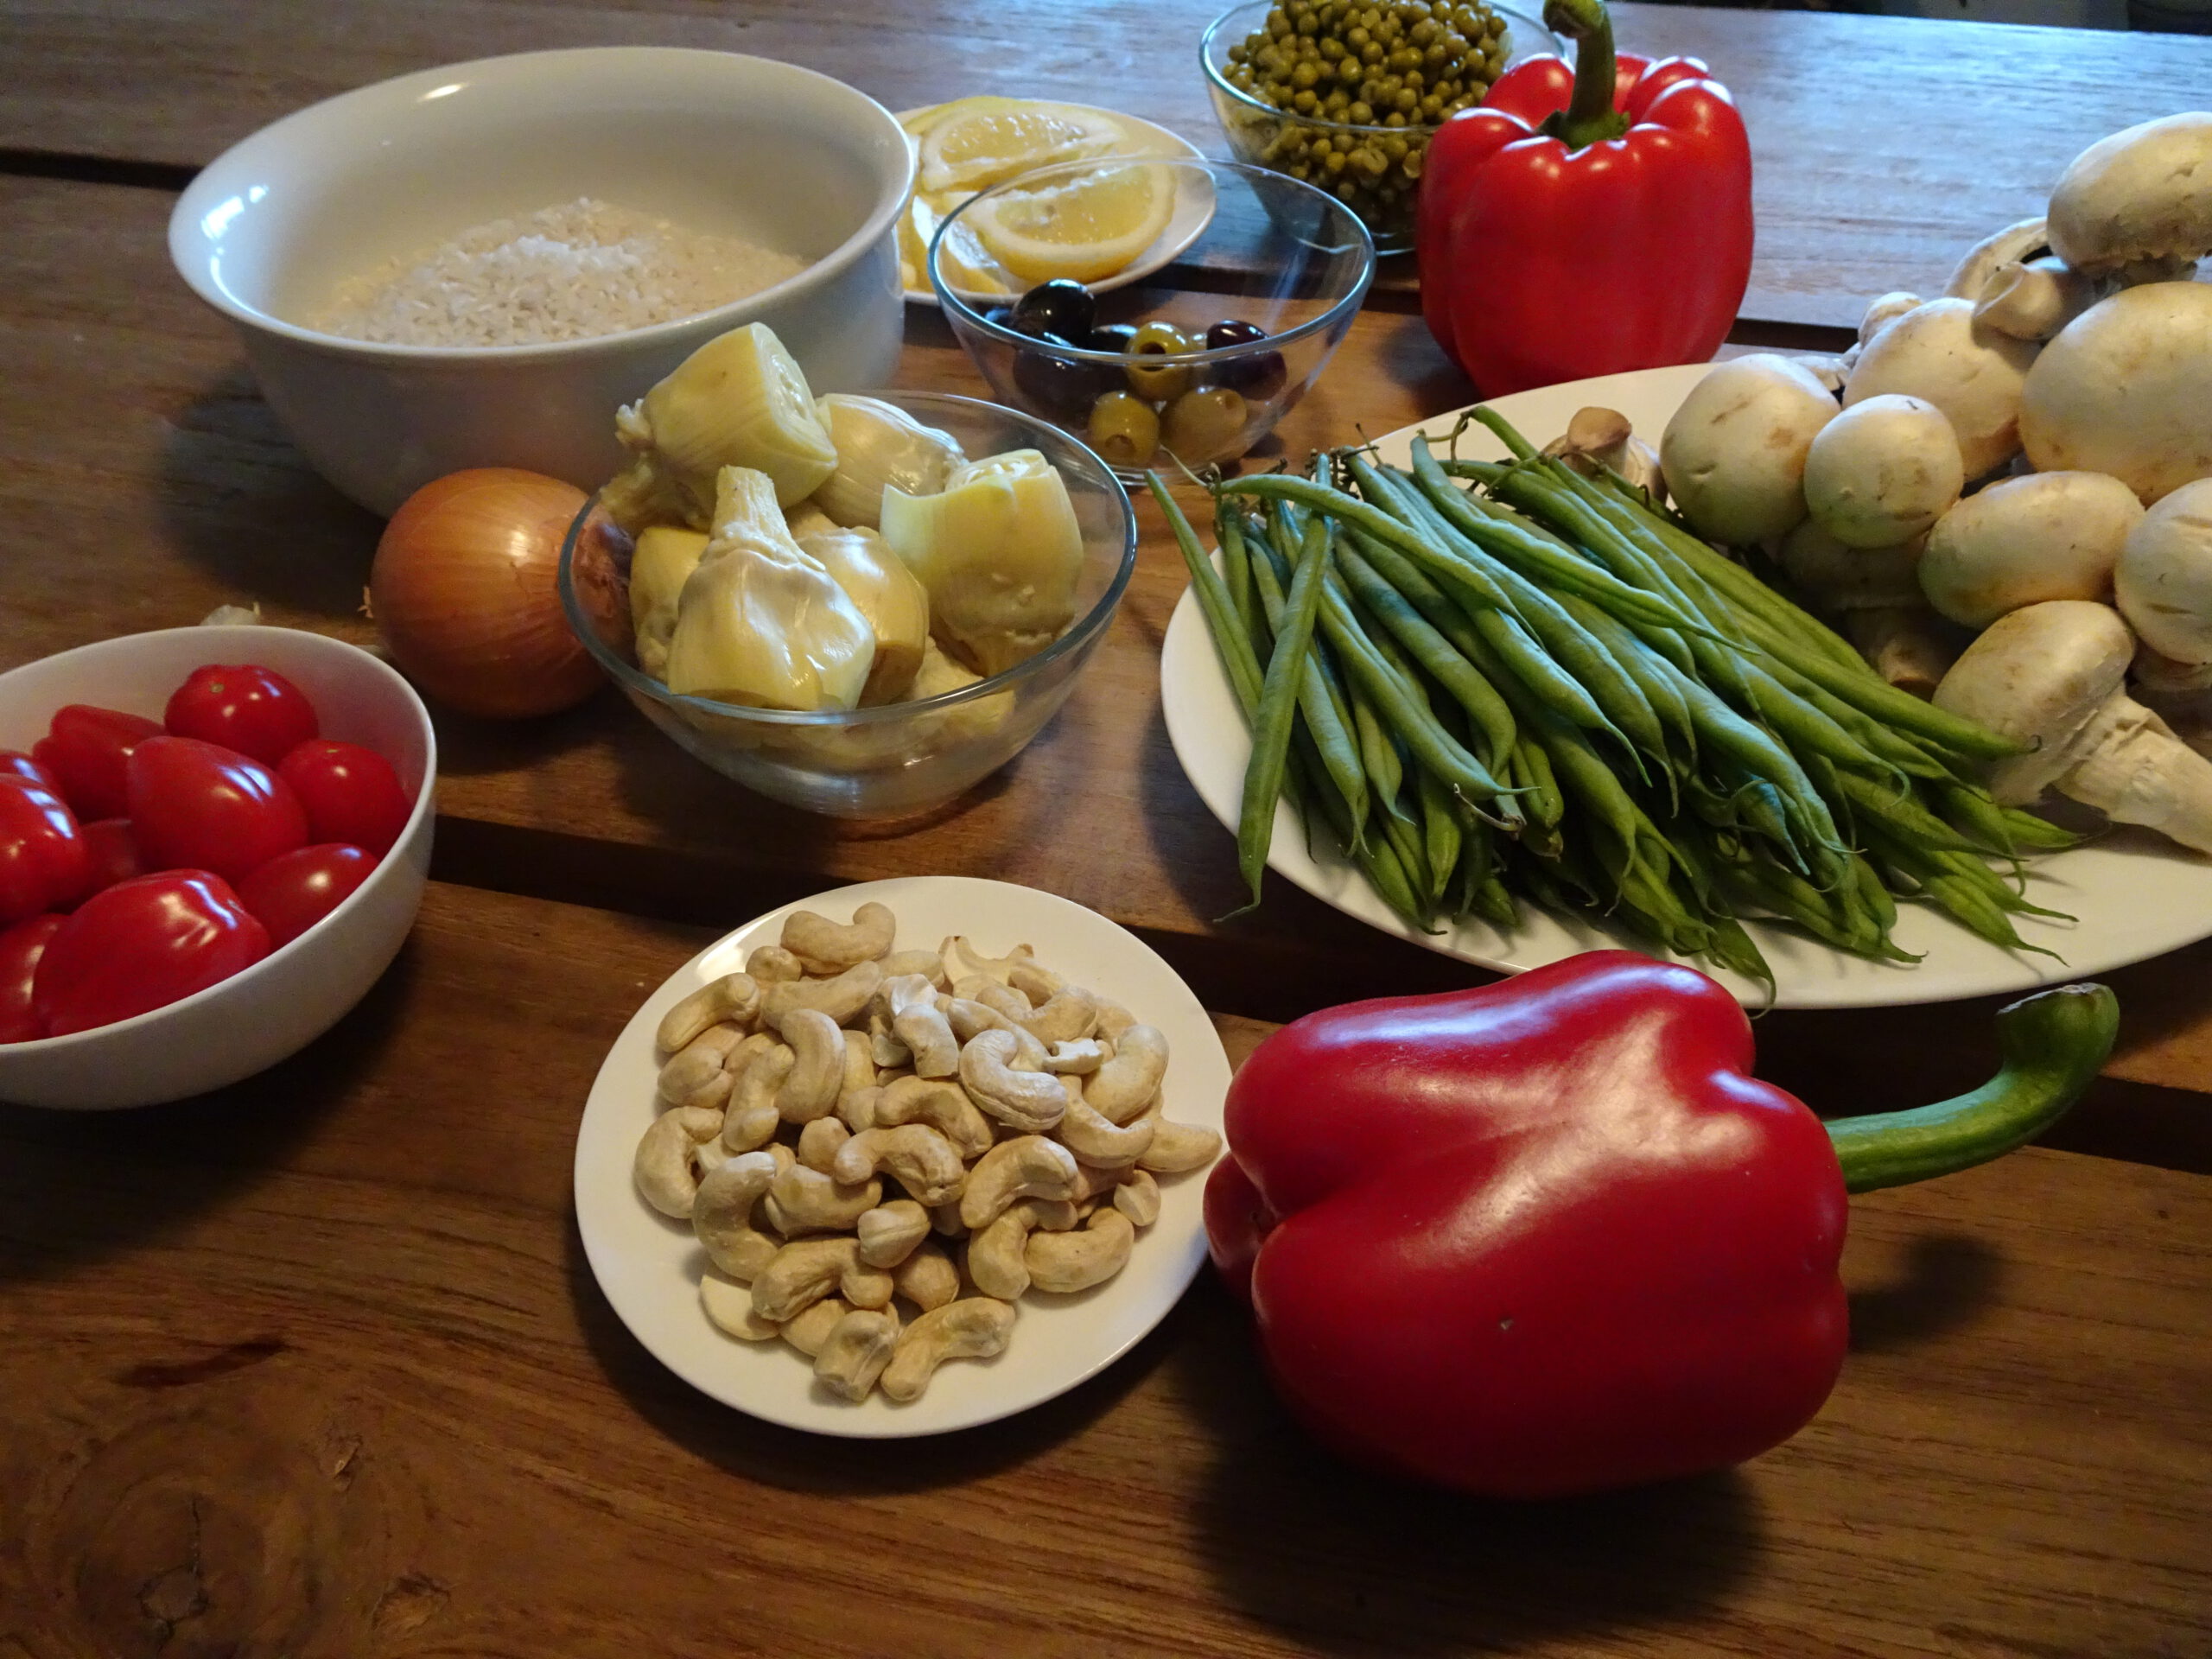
point(1590, 116)
point(2053, 1044)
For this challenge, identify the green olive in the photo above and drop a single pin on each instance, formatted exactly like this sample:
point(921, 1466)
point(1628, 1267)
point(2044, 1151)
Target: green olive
point(1123, 429)
point(1206, 423)
point(1159, 381)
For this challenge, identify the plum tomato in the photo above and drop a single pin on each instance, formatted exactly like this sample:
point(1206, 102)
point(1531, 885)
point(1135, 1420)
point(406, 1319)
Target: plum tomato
point(142, 944)
point(113, 849)
point(350, 794)
point(256, 711)
point(85, 749)
point(43, 861)
point(200, 806)
point(291, 894)
point(21, 947)
point(16, 763)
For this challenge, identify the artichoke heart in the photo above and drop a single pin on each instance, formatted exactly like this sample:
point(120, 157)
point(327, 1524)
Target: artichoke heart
point(740, 400)
point(999, 551)
point(879, 443)
point(760, 622)
point(894, 602)
point(665, 558)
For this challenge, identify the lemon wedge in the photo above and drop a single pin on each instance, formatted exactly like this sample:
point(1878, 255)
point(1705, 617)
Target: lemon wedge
point(1084, 228)
point(977, 142)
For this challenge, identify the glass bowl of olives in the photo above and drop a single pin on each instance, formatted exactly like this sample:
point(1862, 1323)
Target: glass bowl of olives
point(1347, 93)
point(1195, 363)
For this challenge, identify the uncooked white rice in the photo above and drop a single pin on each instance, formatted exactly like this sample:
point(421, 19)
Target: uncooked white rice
point(571, 272)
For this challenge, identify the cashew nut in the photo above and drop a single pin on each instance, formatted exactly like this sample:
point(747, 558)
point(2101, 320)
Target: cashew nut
point(1001, 999)
point(693, 1075)
point(841, 999)
point(753, 1116)
point(722, 1216)
point(1125, 1084)
point(919, 1157)
point(919, 1028)
point(771, 964)
point(889, 1232)
point(1178, 1147)
point(1069, 1014)
point(927, 1277)
point(994, 1260)
point(1036, 981)
point(927, 964)
point(803, 1272)
point(945, 1220)
point(729, 1307)
point(1028, 1166)
point(1137, 1196)
point(944, 1106)
point(817, 1073)
point(1113, 1021)
point(823, 947)
point(1076, 1058)
point(810, 1328)
point(662, 1168)
point(860, 1064)
point(1095, 1139)
point(970, 1018)
point(819, 1141)
point(1030, 1100)
point(1093, 1182)
point(732, 998)
point(1065, 1261)
point(976, 1327)
point(855, 1351)
point(961, 960)
point(856, 1107)
point(883, 1042)
point(803, 1200)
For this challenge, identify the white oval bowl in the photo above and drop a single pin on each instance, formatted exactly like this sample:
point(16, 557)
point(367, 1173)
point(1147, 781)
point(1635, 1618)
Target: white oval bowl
point(715, 141)
point(258, 1016)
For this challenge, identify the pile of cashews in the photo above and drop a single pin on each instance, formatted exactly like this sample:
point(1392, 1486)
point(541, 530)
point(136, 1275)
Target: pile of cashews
point(1014, 1116)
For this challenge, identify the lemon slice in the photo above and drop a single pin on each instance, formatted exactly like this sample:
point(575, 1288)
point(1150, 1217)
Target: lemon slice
point(968, 266)
point(976, 147)
point(1084, 228)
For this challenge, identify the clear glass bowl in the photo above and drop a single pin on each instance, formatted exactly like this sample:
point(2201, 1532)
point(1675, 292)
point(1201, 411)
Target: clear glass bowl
point(1383, 163)
point(1258, 248)
point(901, 758)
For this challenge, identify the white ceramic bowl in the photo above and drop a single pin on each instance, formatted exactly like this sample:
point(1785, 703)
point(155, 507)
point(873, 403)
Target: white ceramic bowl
point(296, 993)
point(714, 141)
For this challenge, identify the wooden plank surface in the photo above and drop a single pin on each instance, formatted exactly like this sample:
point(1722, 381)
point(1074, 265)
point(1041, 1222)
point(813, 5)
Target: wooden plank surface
point(1883, 146)
point(315, 1367)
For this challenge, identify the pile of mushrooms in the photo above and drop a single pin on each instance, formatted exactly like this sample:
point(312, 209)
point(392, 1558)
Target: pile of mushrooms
point(2003, 494)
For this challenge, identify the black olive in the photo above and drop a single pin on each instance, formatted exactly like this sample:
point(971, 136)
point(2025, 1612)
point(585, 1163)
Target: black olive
point(1259, 376)
point(1112, 337)
point(1232, 331)
point(1059, 386)
point(1060, 307)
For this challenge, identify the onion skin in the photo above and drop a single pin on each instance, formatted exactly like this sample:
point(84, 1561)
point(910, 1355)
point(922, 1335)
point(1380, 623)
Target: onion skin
point(464, 591)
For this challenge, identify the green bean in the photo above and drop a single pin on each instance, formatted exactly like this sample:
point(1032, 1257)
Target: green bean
point(2002, 828)
point(1321, 700)
point(1279, 689)
point(1237, 660)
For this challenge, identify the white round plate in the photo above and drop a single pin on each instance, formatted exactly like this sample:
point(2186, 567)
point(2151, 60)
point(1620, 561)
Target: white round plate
point(649, 1267)
point(1194, 204)
point(2134, 895)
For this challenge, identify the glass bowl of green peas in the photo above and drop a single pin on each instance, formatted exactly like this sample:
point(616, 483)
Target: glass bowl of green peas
point(1346, 94)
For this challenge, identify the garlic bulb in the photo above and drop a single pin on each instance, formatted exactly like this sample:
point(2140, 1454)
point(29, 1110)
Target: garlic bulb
point(665, 559)
point(894, 602)
point(879, 443)
point(760, 621)
point(740, 400)
point(999, 550)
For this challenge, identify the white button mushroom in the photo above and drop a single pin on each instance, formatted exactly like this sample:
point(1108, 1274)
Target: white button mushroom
point(1734, 453)
point(2052, 674)
point(1973, 374)
point(1882, 471)
point(2139, 200)
point(2163, 580)
point(2126, 388)
point(2025, 540)
point(1874, 592)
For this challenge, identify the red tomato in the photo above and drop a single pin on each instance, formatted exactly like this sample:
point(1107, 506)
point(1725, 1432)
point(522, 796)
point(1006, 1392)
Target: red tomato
point(143, 944)
point(113, 850)
point(292, 893)
point(256, 711)
point(85, 749)
point(200, 806)
point(15, 762)
point(21, 947)
point(351, 794)
point(43, 861)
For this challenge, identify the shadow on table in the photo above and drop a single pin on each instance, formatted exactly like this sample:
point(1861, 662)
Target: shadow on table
point(827, 1466)
point(1347, 1561)
point(77, 1187)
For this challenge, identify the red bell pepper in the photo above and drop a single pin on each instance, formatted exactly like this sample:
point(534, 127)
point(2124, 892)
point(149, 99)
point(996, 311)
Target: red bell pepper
point(1550, 1236)
point(1586, 221)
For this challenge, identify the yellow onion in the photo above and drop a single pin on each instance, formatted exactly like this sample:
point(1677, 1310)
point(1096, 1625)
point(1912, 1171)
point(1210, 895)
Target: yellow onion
point(464, 591)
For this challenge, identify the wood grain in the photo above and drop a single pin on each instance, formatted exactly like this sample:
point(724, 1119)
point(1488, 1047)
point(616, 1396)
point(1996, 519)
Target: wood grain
point(1883, 146)
point(315, 1367)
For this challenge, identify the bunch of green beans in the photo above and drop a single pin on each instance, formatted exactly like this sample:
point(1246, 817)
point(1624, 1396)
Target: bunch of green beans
point(1541, 689)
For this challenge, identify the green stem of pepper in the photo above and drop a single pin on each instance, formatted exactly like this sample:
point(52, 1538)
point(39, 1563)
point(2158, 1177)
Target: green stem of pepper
point(1590, 116)
point(2053, 1043)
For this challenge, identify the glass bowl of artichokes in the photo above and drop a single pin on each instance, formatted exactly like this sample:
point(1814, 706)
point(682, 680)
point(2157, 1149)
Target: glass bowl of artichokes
point(876, 608)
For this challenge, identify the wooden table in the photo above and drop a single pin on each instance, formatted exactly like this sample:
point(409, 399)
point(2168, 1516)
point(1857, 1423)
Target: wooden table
point(314, 1365)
